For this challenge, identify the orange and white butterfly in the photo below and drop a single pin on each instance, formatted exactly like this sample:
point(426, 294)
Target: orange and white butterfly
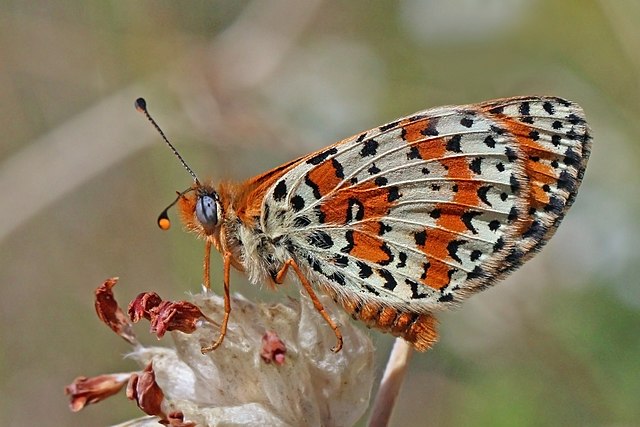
point(404, 220)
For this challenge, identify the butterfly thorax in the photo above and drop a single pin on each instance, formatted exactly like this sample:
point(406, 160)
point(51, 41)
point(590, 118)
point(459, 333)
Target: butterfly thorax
point(237, 232)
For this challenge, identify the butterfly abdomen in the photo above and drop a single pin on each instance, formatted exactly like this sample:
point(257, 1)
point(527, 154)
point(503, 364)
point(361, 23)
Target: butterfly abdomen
point(419, 329)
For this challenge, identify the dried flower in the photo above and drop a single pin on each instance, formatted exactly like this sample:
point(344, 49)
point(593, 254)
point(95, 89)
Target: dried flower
point(85, 391)
point(273, 349)
point(110, 313)
point(233, 385)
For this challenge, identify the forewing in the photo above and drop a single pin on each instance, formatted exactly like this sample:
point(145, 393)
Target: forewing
point(423, 211)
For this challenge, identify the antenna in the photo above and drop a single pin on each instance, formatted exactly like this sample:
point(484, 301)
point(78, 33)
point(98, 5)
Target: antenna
point(141, 106)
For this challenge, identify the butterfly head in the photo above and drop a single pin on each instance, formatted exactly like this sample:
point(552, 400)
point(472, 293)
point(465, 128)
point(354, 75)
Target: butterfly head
point(200, 209)
point(199, 204)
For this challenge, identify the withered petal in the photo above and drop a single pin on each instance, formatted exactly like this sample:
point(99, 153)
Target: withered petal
point(273, 349)
point(175, 316)
point(176, 419)
point(85, 391)
point(110, 313)
point(147, 393)
point(142, 305)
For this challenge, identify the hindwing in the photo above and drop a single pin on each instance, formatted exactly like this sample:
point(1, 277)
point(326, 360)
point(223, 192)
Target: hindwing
point(425, 210)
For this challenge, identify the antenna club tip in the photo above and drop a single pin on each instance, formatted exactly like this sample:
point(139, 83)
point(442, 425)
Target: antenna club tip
point(141, 105)
point(164, 223)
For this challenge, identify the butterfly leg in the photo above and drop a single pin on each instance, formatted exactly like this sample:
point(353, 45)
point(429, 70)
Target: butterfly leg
point(206, 281)
point(314, 298)
point(227, 306)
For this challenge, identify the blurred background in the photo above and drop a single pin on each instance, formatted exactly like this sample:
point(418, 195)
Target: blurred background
point(243, 86)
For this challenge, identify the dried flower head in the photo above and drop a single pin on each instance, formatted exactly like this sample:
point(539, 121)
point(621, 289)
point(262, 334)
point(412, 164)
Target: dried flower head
point(248, 380)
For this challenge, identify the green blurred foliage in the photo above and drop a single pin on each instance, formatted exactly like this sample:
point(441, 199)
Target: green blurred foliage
point(243, 86)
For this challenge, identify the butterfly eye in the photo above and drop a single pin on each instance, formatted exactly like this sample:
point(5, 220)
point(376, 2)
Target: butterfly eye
point(207, 210)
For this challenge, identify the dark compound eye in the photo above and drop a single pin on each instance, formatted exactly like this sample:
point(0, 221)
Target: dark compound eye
point(207, 211)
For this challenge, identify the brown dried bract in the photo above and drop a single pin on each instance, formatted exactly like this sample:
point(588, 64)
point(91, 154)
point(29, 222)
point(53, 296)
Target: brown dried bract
point(273, 349)
point(175, 316)
point(141, 306)
point(176, 419)
point(165, 315)
point(85, 391)
point(110, 313)
point(144, 389)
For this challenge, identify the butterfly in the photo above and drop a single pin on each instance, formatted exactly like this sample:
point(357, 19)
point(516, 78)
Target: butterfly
point(404, 220)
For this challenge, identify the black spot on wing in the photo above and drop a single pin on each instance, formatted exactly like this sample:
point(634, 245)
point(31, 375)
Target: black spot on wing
point(566, 181)
point(476, 165)
point(515, 184)
point(371, 290)
point(389, 254)
point(340, 260)
point(370, 148)
point(314, 187)
point(446, 298)
point(297, 203)
point(425, 270)
point(383, 228)
point(466, 122)
point(388, 126)
point(574, 119)
point(490, 142)
point(420, 237)
point(555, 205)
point(338, 168)
point(452, 248)
point(431, 130)
point(338, 278)
point(280, 191)
point(415, 289)
point(365, 270)
point(381, 181)
point(403, 260)
point(322, 156)
point(453, 144)
point(320, 239)
point(476, 273)
point(413, 153)
point(355, 210)
point(350, 242)
point(536, 231)
point(314, 263)
point(390, 281)
point(467, 217)
point(319, 214)
point(393, 194)
point(301, 222)
point(482, 194)
point(571, 158)
point(373, 169)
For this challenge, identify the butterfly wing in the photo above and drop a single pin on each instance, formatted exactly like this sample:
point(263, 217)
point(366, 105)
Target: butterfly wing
point(426, 210)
